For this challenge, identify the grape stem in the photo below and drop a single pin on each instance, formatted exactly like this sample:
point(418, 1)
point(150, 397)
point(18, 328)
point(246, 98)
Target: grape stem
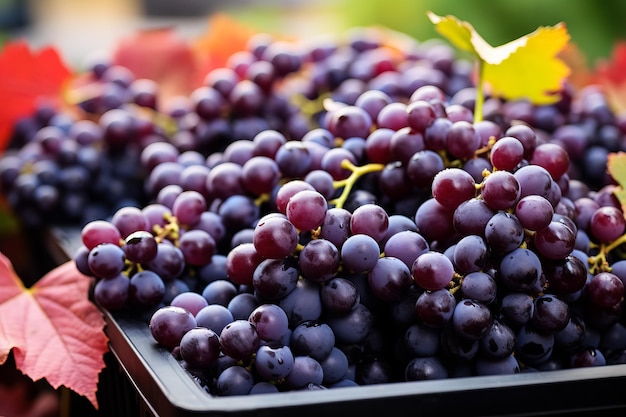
point(170, 231)
point(480, 98)
point(599, 262)
point(347, 184)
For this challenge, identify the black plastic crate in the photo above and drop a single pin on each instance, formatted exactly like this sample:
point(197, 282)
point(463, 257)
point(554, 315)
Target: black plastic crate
point(143, 379)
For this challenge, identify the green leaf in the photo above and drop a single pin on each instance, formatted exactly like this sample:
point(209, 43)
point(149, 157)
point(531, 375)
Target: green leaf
point(527, 67)
point(616, 166)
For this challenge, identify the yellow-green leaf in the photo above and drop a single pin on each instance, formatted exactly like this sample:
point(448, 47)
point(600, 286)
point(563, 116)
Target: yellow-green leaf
point(616, 165)
point(525, 68)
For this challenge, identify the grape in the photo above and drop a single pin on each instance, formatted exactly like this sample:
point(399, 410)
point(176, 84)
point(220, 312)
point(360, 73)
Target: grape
point(335, 366)
point(435, 308)
point(471, 319)
point(190, 301)
point(360, 253)
point(607, 224)
point(452, 186)
point(140, 246)
point(504, 233)
point(197, 247)
point(505, 366)
point(552, 157)
point(200, 347)
point(507, 153)
point(235, 380)
point(274, 363)
point(313, 339)
point(168, 263)
point(336, 226)
point(242, 305)
point(275, 278)
point(434, 220)
point(99, 231)
point(128, 220)
point(532, 346)
point(421, 340)
point(605, 290)
point(306, 210)
point(432, 270)
point(462, 140)
point(213, 316)
point(500, 190)
point(220, 291)
point(423, 369)
point(275, 237)
point(146, 289)
point(471, 217)
point(451, 247)
point(306, 370)
point(339, 295)
point(319, 260)
point(519, 270)
point(534, 212)
point(556, 241)
point(271, 322)
point(479, 286)
point(241, 262)
point(405, 245)
point(422, 167)
point(112, 293)
point(550, 314)
point(369, 219)
point(107, 260)
point(239, 339)
point(169, 324)
point(470, 254)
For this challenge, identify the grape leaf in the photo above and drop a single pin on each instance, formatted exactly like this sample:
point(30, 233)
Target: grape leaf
point(161, 55)
point(55, 332)
point(611, 75)
point(616, 165)
point(27, 76)
point(224, 36)
point(527, 67)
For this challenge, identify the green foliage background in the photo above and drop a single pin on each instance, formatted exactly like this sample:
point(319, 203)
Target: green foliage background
point(594, 26)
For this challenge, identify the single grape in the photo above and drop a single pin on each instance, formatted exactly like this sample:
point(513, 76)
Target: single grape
point(432, 270)
point(169, 324)
point(200, 347)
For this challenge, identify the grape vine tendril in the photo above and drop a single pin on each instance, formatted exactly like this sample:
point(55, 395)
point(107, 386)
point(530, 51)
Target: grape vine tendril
point(347, 184)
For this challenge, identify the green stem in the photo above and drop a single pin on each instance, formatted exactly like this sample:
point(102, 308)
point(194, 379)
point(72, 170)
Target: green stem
point(348, 183)
point(599, 262)
point(480, 93)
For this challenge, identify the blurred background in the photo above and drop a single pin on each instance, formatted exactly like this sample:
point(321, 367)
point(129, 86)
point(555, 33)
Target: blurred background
point(77, 26)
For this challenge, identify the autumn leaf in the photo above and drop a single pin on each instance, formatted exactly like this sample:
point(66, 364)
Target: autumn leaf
point(161, 55)
point(27, 76)
point(55, 332)
point(527, 67)
point(611, 75)
point(616, 165)
point(224, 36)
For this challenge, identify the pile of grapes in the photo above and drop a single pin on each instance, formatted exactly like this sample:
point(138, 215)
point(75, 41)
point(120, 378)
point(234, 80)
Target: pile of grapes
point(330, 214)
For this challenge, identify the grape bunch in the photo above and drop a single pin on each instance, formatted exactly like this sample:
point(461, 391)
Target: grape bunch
point(337, 217)
point(304, 276)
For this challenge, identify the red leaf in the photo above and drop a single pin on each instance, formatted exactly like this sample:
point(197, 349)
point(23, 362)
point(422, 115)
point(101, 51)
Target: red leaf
point(611, 75)
point(27, 76)
point(160, 55)
point(54, 330)
point(613, 70)
point(224, 37)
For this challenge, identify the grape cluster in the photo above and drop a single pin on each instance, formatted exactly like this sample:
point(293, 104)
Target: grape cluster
point(374, 232)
